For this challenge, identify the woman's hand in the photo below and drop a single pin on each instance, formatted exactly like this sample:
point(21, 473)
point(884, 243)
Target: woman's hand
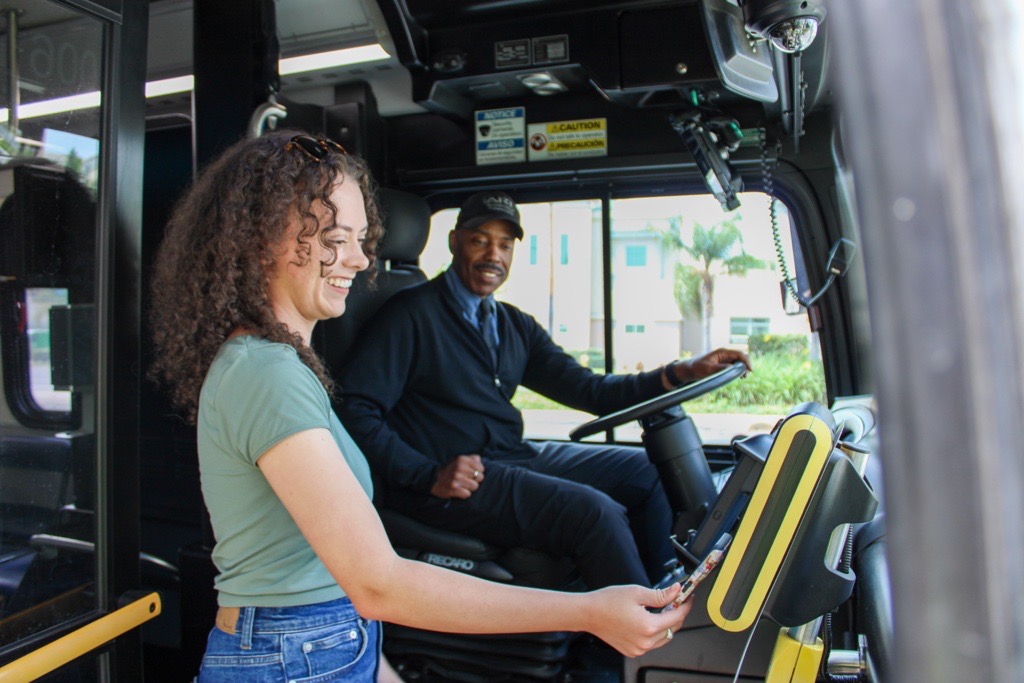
point(621, 619)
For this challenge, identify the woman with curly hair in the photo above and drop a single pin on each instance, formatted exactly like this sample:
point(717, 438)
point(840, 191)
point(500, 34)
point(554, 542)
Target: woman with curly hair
point(266, 243)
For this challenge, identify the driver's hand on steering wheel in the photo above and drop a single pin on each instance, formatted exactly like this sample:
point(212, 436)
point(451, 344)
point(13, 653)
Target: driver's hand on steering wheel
point(460, 478)
point(687, 371)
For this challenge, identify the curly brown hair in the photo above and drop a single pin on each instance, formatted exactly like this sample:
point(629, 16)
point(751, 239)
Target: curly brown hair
point(211, 272)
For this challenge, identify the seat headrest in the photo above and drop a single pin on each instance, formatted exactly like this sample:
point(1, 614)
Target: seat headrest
point(406, 225)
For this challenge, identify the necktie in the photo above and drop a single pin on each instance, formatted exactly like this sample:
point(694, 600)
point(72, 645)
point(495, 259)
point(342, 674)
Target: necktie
point(483, 316)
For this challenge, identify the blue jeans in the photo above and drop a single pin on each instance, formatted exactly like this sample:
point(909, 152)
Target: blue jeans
point(327, 641)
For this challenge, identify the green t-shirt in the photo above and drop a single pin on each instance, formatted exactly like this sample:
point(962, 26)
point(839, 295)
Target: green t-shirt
point(256, 394)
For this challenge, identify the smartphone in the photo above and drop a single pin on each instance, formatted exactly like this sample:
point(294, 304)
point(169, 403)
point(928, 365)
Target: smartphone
point(702, 571)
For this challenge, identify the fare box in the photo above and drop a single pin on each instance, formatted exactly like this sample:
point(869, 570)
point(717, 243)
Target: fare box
point(567, 139)
point(500, 135)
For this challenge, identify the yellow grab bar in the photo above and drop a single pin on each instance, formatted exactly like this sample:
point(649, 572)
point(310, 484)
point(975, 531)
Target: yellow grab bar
point(75, 644)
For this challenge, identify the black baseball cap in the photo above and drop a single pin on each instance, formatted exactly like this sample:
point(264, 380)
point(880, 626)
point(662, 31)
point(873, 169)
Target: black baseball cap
point(489, 206)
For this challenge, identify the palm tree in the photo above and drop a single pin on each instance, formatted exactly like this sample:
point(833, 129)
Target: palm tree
point(716, 250)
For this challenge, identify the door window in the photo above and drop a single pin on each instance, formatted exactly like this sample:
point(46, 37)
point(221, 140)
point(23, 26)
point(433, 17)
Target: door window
point(49, 180)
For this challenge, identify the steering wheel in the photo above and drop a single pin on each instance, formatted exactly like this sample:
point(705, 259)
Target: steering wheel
point(687, 392)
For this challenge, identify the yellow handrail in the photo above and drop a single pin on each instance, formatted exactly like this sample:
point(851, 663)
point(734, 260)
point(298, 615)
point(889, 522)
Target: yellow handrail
point(75, 644)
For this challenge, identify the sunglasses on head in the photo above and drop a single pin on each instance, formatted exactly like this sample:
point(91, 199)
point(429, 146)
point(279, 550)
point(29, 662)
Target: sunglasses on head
point(314, 148)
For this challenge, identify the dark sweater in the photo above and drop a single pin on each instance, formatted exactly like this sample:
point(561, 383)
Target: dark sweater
point(419, 386)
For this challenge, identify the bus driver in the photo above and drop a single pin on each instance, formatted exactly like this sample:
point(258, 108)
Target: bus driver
point(427, 396)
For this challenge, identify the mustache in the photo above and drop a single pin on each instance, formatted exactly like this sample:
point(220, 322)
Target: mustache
point(491, 266)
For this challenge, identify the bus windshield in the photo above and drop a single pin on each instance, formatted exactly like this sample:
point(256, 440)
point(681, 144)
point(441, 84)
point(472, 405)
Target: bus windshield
point(686, 278)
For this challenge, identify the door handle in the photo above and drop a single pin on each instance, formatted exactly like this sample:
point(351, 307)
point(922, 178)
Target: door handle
point(54, 655)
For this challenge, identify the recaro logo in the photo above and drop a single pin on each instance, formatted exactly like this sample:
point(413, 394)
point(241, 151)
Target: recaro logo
point(449, 562)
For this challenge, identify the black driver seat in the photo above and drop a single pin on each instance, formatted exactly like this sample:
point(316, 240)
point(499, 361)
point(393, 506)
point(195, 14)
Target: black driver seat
point(449, 657)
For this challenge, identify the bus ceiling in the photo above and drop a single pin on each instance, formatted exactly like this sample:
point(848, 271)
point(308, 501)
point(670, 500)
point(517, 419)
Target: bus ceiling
point(463, 54)
point(715, 73)
point(707, 70)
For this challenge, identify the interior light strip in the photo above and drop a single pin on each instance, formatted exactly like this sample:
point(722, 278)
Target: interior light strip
point(170, 86)
point(59, 105)
point(326, 60)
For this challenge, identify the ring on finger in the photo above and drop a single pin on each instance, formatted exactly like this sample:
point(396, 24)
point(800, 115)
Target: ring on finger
point(476, 474)
point(668, 633)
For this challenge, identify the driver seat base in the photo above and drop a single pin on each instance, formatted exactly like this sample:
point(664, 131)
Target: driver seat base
point(477, 658)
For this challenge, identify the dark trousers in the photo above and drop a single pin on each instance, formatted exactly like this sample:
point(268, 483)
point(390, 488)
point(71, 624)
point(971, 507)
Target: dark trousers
point(602, 506)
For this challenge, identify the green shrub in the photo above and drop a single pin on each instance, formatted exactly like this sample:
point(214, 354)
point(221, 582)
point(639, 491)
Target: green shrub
point(590, 358)
point(527, 399)
point(788, 344)
point(778, 383)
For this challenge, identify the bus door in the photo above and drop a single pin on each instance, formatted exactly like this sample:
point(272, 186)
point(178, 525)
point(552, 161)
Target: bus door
point(71, 119)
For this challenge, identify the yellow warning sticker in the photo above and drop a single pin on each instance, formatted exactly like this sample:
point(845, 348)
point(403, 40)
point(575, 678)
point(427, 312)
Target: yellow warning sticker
point(566, 139)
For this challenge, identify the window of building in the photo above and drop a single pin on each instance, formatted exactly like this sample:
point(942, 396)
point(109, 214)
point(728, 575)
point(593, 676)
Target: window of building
point(740, 329)
point(564, 258)
point(533, 250)
point(636, 255)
